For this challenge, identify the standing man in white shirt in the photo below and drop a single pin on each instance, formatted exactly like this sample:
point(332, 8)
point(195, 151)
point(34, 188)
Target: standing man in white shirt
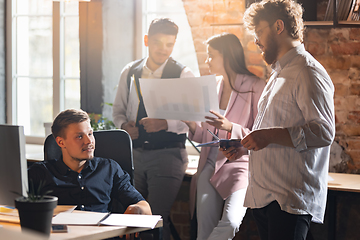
point(160, 158)
point(292, 133)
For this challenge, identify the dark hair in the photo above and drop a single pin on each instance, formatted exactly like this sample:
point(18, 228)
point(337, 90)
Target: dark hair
point(65, 118)
point(163, 25)
point(288, 11)
point(232, 51)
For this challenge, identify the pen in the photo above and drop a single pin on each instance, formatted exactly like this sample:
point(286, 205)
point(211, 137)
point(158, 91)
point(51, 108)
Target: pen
point(213, 134)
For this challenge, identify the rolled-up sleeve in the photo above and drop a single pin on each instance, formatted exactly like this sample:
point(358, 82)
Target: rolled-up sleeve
point(315, 100)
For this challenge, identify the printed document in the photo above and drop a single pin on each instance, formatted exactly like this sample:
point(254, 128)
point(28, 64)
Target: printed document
point(110, 219)
point(133, 101)
point(188, 99)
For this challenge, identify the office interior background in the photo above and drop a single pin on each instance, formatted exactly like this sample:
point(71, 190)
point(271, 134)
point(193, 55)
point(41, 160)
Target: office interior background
point(69, 54)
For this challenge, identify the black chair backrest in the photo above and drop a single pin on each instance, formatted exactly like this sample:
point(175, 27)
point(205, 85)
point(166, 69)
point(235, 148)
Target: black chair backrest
point(114, 144)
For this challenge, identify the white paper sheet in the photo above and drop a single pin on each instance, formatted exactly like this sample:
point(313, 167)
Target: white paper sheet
point(131, 220)
point(188, 99)
point(76, 218)
point(133, 102)
point(113, 219)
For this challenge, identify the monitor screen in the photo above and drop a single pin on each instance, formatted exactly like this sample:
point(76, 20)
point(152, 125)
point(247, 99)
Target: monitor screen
point(13, 165)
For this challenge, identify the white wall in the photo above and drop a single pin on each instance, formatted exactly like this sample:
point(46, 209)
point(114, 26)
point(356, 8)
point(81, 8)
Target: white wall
point(118, 45)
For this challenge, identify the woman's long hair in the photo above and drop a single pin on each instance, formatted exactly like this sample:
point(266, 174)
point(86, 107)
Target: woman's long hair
point(233, 53)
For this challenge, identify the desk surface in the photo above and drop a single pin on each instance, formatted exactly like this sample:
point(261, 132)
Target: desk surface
point(344, 182)
point(74, 232)
point(12, 229)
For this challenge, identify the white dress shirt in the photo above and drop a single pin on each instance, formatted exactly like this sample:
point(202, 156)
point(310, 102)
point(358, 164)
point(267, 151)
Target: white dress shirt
point(299, 97)
point(120, 104)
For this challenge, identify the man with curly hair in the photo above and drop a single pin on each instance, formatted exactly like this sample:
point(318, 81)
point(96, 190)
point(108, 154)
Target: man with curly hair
point(292, 133)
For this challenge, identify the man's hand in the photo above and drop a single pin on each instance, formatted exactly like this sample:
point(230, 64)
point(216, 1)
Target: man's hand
point(233, 153)
point(141, 207)
point(131, 128)
point(257, 139)
point(191, 125)
point(219, 122)
point(133, 209)
point(153, 125)
point(261, 138)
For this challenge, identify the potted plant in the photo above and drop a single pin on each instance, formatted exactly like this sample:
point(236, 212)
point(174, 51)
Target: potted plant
point(36, 210)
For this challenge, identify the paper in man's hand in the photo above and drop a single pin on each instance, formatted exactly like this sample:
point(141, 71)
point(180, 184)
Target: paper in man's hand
point(133, 101)
point(188, 99)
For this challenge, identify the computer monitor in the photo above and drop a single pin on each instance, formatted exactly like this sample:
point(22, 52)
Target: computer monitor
point(13, 165)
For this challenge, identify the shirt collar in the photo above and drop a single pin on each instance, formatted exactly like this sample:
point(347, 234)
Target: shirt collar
point(280, 64)
point(63, 168)
point(157, 72)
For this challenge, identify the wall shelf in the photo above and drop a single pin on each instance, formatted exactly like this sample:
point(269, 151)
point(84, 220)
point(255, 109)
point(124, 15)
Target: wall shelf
point(330, 24)
point(334, 23)
point(310, 24)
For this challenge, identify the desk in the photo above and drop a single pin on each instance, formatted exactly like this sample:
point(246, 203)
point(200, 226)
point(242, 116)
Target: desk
point(76, 232)
point(342, 184)
point(12, 227)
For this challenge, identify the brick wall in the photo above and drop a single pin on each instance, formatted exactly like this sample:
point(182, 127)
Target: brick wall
point(207, 18)
point(336, 49)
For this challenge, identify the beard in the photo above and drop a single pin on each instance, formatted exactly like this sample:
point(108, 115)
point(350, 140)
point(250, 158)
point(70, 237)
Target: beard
point(271, 51)
point(157, 61)
point(87, 158)
point(83, 159)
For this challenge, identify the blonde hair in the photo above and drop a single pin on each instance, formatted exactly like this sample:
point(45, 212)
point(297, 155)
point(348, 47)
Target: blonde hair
point(288, 11)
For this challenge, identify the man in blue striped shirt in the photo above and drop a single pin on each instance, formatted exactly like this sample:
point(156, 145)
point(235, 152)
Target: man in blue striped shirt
point(290, 142)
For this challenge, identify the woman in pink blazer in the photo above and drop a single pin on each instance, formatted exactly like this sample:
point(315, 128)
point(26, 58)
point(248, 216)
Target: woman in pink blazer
point(219, 184)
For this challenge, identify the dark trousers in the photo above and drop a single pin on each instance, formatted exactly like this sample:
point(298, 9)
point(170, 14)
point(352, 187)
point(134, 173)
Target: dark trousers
point(275, 224)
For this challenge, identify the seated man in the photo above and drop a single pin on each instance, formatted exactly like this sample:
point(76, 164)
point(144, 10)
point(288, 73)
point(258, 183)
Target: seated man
point(79, 178)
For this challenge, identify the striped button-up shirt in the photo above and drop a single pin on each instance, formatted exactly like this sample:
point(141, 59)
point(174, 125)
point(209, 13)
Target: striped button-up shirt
point(299, 97)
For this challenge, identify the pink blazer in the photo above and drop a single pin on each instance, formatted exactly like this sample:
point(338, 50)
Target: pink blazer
point(241, 111)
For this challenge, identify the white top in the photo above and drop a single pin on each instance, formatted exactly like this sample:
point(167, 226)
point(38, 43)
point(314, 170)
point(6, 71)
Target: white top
point(121, 99)
point(299, 97)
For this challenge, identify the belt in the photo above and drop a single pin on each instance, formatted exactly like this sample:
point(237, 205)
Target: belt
point(163, 145)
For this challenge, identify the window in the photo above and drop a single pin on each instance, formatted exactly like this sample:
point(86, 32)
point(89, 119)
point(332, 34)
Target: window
point(43, 77)
point(184, 50)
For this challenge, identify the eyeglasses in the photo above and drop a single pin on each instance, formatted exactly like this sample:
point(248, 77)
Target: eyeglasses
point(259, 32)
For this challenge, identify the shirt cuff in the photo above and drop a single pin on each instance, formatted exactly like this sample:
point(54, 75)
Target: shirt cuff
point(171, 125)
point(297, 135)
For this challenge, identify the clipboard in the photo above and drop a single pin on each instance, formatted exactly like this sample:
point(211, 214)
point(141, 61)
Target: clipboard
point(222, 143)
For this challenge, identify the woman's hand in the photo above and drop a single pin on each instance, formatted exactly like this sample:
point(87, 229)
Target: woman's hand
point(219, 122)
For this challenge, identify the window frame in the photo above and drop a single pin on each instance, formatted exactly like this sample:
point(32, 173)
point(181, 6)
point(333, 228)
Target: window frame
point(141, 25)
point(58, 17)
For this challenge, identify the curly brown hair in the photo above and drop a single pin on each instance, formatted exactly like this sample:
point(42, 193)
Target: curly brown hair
point(288, 11)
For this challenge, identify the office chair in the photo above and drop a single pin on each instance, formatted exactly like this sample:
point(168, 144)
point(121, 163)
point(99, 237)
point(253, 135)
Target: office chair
point(113, 144)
